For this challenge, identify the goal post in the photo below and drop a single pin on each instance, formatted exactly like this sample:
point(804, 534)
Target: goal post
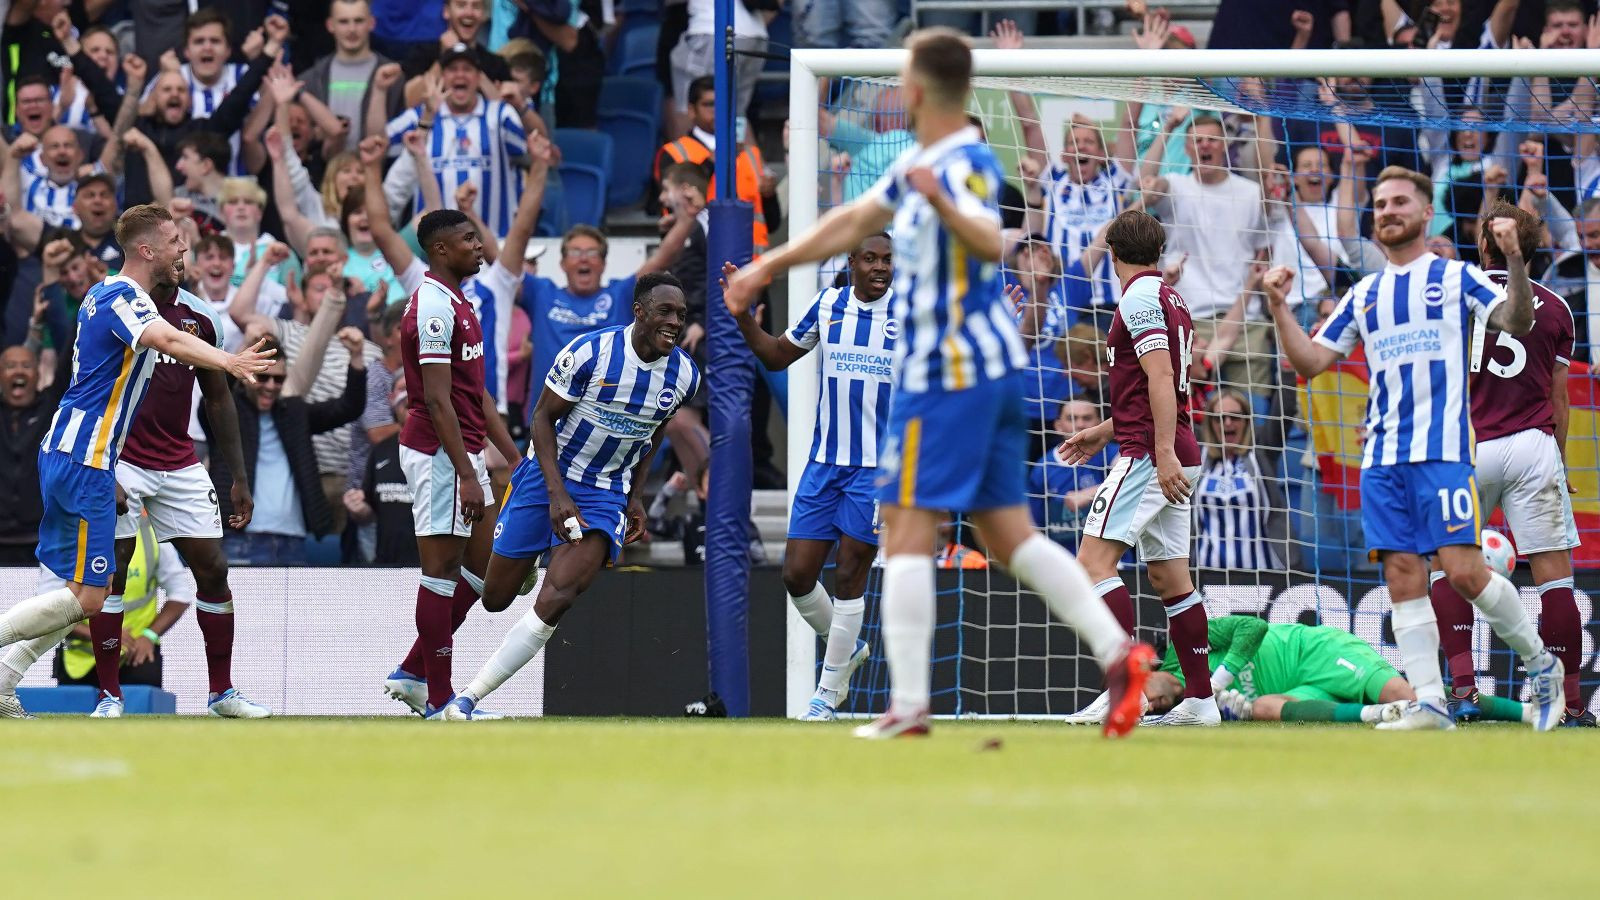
point(1202, 80)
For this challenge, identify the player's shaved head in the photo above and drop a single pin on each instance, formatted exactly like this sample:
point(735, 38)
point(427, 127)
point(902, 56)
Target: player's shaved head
point(941, 65)
point(1136, 238)
point(1530, 233)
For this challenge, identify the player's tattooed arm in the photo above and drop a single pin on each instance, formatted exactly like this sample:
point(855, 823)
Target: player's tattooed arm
point(224, 419)
point(552, 407)
point(775, 353)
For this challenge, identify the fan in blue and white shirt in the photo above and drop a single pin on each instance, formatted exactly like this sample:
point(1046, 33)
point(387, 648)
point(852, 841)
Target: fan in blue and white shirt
point(470, 139)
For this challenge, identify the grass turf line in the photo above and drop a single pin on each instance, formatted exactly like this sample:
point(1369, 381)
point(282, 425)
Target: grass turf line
point(398, 807)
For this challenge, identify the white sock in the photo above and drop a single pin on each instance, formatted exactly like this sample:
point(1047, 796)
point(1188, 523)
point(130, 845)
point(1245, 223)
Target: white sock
point(1057, 576)
point(22, 655)
point(815, 608)
point(842, 637)
point(38, 616)
point(1502, 609)
point(1416, 632)
point(908, 619)
point(522, 643)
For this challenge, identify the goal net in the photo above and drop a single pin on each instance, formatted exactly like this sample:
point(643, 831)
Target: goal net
point(1249, 159)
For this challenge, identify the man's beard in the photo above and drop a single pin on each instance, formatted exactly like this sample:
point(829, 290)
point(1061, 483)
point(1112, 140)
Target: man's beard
point(1410, 233)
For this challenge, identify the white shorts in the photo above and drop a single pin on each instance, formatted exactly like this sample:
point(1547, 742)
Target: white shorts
point(436, 492)
point(181, 503)
point(1522, 474)
point(1129, 508)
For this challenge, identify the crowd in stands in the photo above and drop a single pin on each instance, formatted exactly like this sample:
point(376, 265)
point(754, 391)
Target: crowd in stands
point(298, 148)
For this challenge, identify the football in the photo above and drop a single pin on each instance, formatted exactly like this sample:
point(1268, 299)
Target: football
point(1498, 553)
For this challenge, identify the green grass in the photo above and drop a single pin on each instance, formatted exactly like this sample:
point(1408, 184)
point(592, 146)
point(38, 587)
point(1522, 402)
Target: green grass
point(647, 808)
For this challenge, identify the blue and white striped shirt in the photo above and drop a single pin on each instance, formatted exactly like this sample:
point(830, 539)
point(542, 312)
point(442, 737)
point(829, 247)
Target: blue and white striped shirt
point(1415, 323)
point(957, 329)
point(620, 402)
point(1074, 212)
point(481, 147)
point(110, 372)
point(204, 100)
point(51, 202)
point(493, 292)
point(857, 340)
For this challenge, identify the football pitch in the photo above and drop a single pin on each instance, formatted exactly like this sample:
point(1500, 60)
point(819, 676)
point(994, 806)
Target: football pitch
point(668, 808)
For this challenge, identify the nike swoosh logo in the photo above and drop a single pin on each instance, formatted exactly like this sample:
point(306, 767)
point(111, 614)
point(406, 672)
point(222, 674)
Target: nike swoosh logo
point(833, 323)
point(1452, 529)
point(606, 384)
point(1368, 308)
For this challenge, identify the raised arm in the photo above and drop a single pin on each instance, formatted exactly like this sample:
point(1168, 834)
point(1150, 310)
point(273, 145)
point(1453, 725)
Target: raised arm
point(526, 216)
point(134, 141)
point(1515, 315)
point(671, 246)
point(242, 309)
point(838, 231)
point(1150, 163)
point(296, 227)
point(1007, 36)
point(393, 246)
point(101, 89)
point(776, 353)
point(1308, 357)
point(307, 364)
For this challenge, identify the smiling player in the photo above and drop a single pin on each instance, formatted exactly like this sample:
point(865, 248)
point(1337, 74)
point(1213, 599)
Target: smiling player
point(574, 498)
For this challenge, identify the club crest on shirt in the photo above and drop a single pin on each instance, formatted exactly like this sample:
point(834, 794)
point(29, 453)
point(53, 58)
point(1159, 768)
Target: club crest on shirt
point(667, 399)
point(191, 326)
point(1433, 294)
point(891, 329)
point(602, 304)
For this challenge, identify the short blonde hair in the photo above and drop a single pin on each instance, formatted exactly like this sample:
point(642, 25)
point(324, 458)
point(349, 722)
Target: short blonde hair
point(1421, 182)
point(242, 189)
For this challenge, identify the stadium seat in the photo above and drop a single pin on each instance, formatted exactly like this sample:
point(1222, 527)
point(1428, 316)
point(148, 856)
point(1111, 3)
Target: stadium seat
point(553, 212)
point(625, 93)
point(633, 136)
point(630, 112)
point(585, 169)
point(636, 50)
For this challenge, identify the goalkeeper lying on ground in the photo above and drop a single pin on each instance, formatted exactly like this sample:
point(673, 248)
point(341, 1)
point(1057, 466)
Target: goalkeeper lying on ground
point(1293, 673)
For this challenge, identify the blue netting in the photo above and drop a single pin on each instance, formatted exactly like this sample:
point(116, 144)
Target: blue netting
point(996, 650)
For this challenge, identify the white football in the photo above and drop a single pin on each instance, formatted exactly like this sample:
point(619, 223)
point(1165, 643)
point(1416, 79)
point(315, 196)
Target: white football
point(1498, 554)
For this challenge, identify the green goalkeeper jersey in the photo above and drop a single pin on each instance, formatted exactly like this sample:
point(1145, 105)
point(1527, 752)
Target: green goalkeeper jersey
point(1269, 658)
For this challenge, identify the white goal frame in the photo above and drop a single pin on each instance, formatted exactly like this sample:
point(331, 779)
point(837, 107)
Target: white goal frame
point(806, 66)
